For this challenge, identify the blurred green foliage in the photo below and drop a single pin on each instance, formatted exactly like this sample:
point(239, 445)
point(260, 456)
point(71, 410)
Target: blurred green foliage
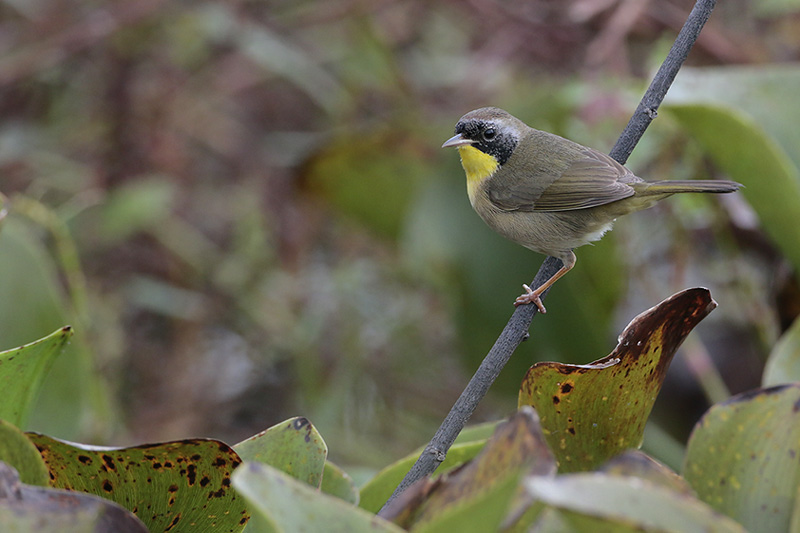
point(242, 209)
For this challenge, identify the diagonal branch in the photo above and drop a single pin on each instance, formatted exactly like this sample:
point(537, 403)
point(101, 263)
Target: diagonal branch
point(516, 329)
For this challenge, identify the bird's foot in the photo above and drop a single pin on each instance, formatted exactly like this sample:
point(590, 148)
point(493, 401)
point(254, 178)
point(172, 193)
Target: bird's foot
point(530, 297)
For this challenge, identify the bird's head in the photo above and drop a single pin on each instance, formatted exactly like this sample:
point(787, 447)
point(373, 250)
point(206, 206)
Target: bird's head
point(485, 139)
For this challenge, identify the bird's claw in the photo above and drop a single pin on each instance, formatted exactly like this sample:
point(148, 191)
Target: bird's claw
point(530, 297)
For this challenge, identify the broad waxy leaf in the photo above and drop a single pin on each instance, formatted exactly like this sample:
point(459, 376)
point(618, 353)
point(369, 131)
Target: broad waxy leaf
point(516, 447)
point(176, 485)
point(590, 413)
point(742, 457)
point(22, 371)
point(590, 502)
point(293, 446)
point(30, 509)
point(281, 503)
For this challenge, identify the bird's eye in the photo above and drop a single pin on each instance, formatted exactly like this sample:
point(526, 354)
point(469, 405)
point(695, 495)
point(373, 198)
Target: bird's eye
point(489, 133)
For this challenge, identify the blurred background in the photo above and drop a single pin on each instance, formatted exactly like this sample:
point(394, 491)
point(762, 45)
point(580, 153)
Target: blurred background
point(243, 209)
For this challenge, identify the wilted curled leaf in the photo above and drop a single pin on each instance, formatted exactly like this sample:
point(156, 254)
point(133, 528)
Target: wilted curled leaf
point(517, 447)
point(590, 413)
point(468, 444)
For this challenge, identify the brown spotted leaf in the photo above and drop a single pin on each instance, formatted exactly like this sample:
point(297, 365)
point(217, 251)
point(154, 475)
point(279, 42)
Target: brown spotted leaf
point(169, 486)
point(590, 413)
point(743, 458)
point(26, 508)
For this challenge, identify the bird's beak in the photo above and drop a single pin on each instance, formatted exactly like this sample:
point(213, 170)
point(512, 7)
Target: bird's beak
point(456, 141)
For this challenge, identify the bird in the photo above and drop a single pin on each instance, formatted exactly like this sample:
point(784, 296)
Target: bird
point(550, 194)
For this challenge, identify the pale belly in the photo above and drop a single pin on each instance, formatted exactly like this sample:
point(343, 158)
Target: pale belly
point(548, 233)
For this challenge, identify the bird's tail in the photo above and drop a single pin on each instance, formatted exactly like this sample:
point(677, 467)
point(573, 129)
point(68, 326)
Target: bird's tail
point(679, 186)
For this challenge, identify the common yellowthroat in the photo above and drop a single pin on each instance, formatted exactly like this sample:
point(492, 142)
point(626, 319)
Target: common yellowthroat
point(550, 194)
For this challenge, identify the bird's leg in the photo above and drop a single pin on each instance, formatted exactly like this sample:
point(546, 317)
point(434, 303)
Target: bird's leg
point(535, 296)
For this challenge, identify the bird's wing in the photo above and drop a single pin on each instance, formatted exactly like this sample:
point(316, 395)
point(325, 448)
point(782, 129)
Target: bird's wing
point(590, 181)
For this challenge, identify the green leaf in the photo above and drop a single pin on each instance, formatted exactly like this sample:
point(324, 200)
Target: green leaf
point(294, 507)
point(337, 482)
point(590, 413)
point(169, 485)
point(468, 444)
point(477, 432)
point(763, 93)
point(634, 463)
point(27, 509)
point(748, 155)
point(516, 447)
point(742, 457)
point(794, 525)
point(592, 502)
point(293, 446)
point(22, 371)
point(33, 305)
point(377, 490)
point(746, 121)
point(17, 451)
point(783, 365)
point(478, 513)
point(553, 520)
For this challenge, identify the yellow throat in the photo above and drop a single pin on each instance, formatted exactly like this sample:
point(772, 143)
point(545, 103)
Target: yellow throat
point(478, 167)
